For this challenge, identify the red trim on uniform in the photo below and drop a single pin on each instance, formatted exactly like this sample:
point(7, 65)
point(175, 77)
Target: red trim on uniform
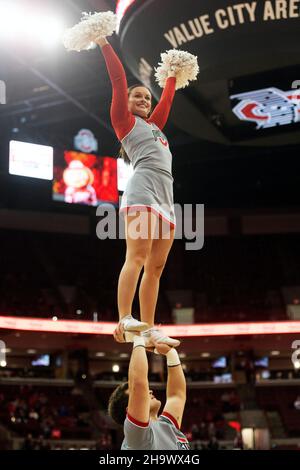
point(171, 418)
point(182, 439)
point(148, 209)
point(136, 422)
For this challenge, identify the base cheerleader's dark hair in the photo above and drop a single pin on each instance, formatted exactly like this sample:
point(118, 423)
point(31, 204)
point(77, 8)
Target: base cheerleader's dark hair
point(122, 153)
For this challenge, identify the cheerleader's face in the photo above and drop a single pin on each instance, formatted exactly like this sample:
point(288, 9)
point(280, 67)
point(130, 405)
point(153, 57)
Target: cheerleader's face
point(140, 101)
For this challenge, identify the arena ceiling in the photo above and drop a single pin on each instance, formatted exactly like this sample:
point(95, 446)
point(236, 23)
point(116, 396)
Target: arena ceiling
point(248, 55)
point(242, 48)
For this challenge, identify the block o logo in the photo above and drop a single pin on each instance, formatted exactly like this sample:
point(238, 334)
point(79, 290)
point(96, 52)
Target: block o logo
point(296, 354)
point(296, 84)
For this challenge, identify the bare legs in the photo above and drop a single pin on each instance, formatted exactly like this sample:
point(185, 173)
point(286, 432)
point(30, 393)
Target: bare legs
point(150, 253)
point(153, 268)
point(136, 254)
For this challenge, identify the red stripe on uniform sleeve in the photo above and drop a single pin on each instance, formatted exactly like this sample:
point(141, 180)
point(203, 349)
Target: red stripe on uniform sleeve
point(122, 120)
point(136, 422)
point(171, 418)
point(162, 110)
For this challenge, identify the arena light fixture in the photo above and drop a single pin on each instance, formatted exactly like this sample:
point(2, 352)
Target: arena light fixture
point(10, 20)
point(100, 354)
point(31, 351)
point(51, 32)
point(17, 23)
point(115, 368)
point(42, 29)
point(275, 353)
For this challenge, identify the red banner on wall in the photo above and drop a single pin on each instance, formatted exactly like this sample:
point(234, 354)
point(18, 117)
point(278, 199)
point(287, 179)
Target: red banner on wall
point(107, 328)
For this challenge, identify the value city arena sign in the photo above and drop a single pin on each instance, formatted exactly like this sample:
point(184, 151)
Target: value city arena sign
point(222, 34)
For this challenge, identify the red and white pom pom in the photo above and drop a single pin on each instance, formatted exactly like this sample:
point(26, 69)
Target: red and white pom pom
point(92, 27)
point(184, 64)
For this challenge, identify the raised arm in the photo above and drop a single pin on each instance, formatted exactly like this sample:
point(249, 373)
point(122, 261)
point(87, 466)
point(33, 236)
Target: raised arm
point(161, 112)
point(176, 388)
point(122, 120)
point(139, 397)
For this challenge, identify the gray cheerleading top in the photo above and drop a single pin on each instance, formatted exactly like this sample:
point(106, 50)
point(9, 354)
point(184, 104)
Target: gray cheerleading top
point(162, 434)
point(151, 184)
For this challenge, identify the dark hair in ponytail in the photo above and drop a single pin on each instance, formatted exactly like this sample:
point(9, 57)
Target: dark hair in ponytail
point(122, 152)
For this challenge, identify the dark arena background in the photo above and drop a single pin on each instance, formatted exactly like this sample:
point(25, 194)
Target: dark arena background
point(234, 303)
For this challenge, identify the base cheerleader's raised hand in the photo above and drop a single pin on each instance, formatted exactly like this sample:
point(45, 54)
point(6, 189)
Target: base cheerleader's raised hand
point(183, 65)
point(92, 28)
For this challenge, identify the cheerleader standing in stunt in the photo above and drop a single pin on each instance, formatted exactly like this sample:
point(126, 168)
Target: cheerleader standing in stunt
point(149, 191)
point(150, 187)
